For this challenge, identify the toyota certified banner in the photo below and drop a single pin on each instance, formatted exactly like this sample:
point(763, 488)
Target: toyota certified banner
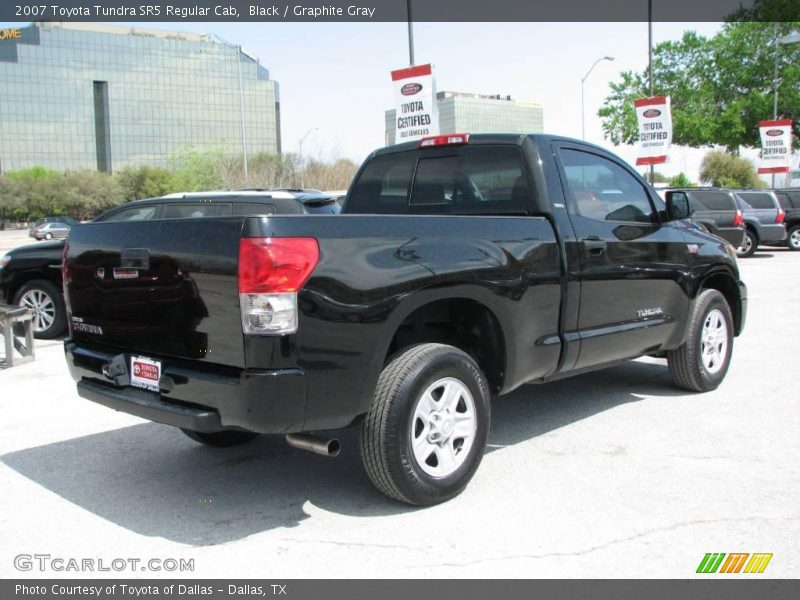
point(776, 146)
point(655, 129)
point(415, 103)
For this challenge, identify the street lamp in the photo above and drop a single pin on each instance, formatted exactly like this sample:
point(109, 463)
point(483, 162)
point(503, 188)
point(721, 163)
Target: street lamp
point(300, 153)
point(583, 80)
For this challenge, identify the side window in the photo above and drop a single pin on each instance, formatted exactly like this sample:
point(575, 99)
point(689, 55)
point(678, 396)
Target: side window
point(139, 213)
point(602, 190)
point(194, 210)
point(759, 200)
point(243, 209)
point(714, 200)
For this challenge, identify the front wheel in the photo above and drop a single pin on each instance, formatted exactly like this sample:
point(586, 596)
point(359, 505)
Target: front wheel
point(44, 299)
point(700, 364)
point(793, 238)
point(221, 439)
point(426, 431)
point(748, 248)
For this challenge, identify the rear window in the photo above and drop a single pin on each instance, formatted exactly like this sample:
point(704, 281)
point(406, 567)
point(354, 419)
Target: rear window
point(757, 200)
point(783, 200)
point(467, 180)
point(713, 201)
point(788, 200)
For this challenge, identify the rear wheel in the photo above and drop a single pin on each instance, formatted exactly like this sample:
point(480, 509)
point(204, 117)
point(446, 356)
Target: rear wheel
point(749, 246)
point(426, 431)
point(45, 300)
point(793, 238)
point(221, 439)
point(701, 363)
point(48, 236)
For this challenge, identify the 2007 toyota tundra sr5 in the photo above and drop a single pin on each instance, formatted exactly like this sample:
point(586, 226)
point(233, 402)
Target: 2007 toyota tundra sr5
point(461, 268)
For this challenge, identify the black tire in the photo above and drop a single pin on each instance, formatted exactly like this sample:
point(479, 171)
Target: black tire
point(46, 301)
point(793, 238)
point(48, 236)
point(221, 439)
point(750, 244)
point(389, 427)
point(686, 364)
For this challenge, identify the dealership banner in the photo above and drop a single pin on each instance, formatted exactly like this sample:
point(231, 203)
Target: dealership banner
point(416, 115)
point(776, 146)
point(655, 129)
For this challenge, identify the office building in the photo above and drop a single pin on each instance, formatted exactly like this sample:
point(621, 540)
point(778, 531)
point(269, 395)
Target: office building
point(475, 113)
point(95, 96)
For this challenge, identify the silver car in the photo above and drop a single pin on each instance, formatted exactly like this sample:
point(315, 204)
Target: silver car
point(50, 231)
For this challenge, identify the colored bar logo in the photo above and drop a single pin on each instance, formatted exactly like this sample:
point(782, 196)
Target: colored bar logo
point(714, 562)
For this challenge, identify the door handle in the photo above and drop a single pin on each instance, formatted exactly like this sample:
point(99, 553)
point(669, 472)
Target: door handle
point(593, 245)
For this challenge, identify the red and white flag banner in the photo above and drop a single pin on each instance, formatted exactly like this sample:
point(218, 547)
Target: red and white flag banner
point(416, 115)
point(655, 129)
point(776, 146)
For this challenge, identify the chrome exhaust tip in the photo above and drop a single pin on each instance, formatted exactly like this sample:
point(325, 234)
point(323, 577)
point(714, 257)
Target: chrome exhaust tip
point(326, 447)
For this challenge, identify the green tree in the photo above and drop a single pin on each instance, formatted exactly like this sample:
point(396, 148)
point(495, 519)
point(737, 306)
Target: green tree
point(720, 87)
point(723, 169)
point(146, 182)
point(198, 170)
point(681, 181)
point(84, 194)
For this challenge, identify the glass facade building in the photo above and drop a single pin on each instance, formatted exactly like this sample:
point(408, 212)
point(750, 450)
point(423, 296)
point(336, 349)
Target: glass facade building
point(94, 96)
point(474, 113)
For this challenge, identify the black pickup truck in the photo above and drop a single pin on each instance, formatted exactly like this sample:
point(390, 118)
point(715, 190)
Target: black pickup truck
point(461, 268)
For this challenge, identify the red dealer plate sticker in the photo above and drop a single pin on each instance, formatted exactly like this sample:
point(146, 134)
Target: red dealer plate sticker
point(145, 372)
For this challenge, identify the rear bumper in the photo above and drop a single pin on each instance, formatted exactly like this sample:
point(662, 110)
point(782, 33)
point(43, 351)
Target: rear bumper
point(733, 235)
point(772, 233)
point(198, 396)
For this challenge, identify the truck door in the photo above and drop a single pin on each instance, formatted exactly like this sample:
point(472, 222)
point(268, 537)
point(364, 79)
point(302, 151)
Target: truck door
point(630, 263)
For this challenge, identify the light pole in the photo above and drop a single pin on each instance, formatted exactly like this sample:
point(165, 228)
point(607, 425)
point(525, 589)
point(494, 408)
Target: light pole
point(241, 113)
point(410, 35)
point(300, 154)
point(583, 80)
point(792, 38)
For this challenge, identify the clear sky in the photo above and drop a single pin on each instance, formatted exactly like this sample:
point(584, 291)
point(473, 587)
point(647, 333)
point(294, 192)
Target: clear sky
point(335, 76)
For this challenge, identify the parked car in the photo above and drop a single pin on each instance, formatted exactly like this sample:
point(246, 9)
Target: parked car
point(43, 221)
point(790, 203)
point(224, 204)
point(763, 218)
point(715, 210)
point(51, 231)
point(461, 268)
point(31, 275)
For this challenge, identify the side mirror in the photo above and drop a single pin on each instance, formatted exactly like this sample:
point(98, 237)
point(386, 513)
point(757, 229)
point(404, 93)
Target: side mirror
point(678, 206)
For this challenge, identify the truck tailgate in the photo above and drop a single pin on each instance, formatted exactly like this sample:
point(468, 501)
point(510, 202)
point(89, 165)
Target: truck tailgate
point(158, 287)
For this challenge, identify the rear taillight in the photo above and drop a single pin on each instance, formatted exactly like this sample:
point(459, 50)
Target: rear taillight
point(738, 220)
point(781, 216)
point(271, 272)
point(452, 139)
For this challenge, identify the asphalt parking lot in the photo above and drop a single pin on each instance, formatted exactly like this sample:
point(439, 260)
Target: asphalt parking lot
point(613, 474)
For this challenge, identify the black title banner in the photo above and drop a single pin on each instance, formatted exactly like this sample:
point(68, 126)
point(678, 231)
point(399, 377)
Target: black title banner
point(398, 10)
